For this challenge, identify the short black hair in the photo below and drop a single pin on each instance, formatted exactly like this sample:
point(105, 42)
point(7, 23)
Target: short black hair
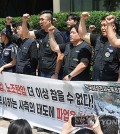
point(46, 11)
point(85, 131)
point(76, 26)
point(20, 24)
point(7, 33)
point(74, 17)
point(109, 124)
point(50, 13)
point(19, 126)
point(103, 17)
point(116, 22)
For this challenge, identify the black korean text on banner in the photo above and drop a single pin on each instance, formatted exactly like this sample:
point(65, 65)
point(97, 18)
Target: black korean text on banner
point(103, 88)
point(45, 110)
point(8, 102)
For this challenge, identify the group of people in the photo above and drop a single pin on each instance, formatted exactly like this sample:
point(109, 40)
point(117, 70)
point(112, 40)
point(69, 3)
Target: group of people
point(61, 55)
point(32, 52)
point(77, 53)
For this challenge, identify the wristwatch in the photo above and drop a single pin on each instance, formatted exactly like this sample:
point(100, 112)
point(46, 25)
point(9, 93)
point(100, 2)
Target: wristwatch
point(69, 76)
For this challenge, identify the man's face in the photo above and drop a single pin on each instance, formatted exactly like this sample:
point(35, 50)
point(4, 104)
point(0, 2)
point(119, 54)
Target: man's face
point(74, 36)
point(45, 23)
point(70, 22)
point(104, 27)
point(19, 31)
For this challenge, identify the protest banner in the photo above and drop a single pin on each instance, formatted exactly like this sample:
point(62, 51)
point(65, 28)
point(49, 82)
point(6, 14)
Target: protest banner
point(48, 103)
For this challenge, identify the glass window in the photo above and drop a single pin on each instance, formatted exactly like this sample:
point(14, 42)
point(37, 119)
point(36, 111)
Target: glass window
point(82, 5)
point(89, 5)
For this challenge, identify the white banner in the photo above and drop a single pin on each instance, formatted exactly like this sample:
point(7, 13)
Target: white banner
point(47, 103)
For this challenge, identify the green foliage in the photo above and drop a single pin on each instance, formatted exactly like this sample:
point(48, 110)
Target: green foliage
point(34, 21)
point(95, 18)
point(2, 23)
point(61, 19)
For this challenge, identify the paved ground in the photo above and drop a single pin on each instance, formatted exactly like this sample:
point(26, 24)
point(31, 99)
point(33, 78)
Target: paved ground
point(4, 123)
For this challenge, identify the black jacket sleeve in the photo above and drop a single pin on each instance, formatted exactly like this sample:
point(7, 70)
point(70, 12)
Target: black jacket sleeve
point(9, 32)
point(34, 55)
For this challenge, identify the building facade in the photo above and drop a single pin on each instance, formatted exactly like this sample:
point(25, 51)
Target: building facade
point(85, 5)
point(18, 7)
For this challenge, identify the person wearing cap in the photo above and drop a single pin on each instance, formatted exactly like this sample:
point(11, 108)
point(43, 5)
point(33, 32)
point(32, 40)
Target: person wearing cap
point(7, 54)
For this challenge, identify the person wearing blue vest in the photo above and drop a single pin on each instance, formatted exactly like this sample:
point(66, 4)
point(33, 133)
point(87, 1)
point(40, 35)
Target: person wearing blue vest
point(106, 58)
point(8, 52)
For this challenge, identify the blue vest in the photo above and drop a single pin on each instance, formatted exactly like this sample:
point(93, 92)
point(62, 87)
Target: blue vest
point(5, 56)
point(23, 65)
point(66, 36)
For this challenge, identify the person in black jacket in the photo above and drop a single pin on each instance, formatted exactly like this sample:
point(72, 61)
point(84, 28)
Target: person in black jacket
point(27, 57)
point(49, 66)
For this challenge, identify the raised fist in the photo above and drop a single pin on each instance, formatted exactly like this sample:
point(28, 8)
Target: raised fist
point(51, 29)
point(25, 17)
point(110, 19)
point(85, 15)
